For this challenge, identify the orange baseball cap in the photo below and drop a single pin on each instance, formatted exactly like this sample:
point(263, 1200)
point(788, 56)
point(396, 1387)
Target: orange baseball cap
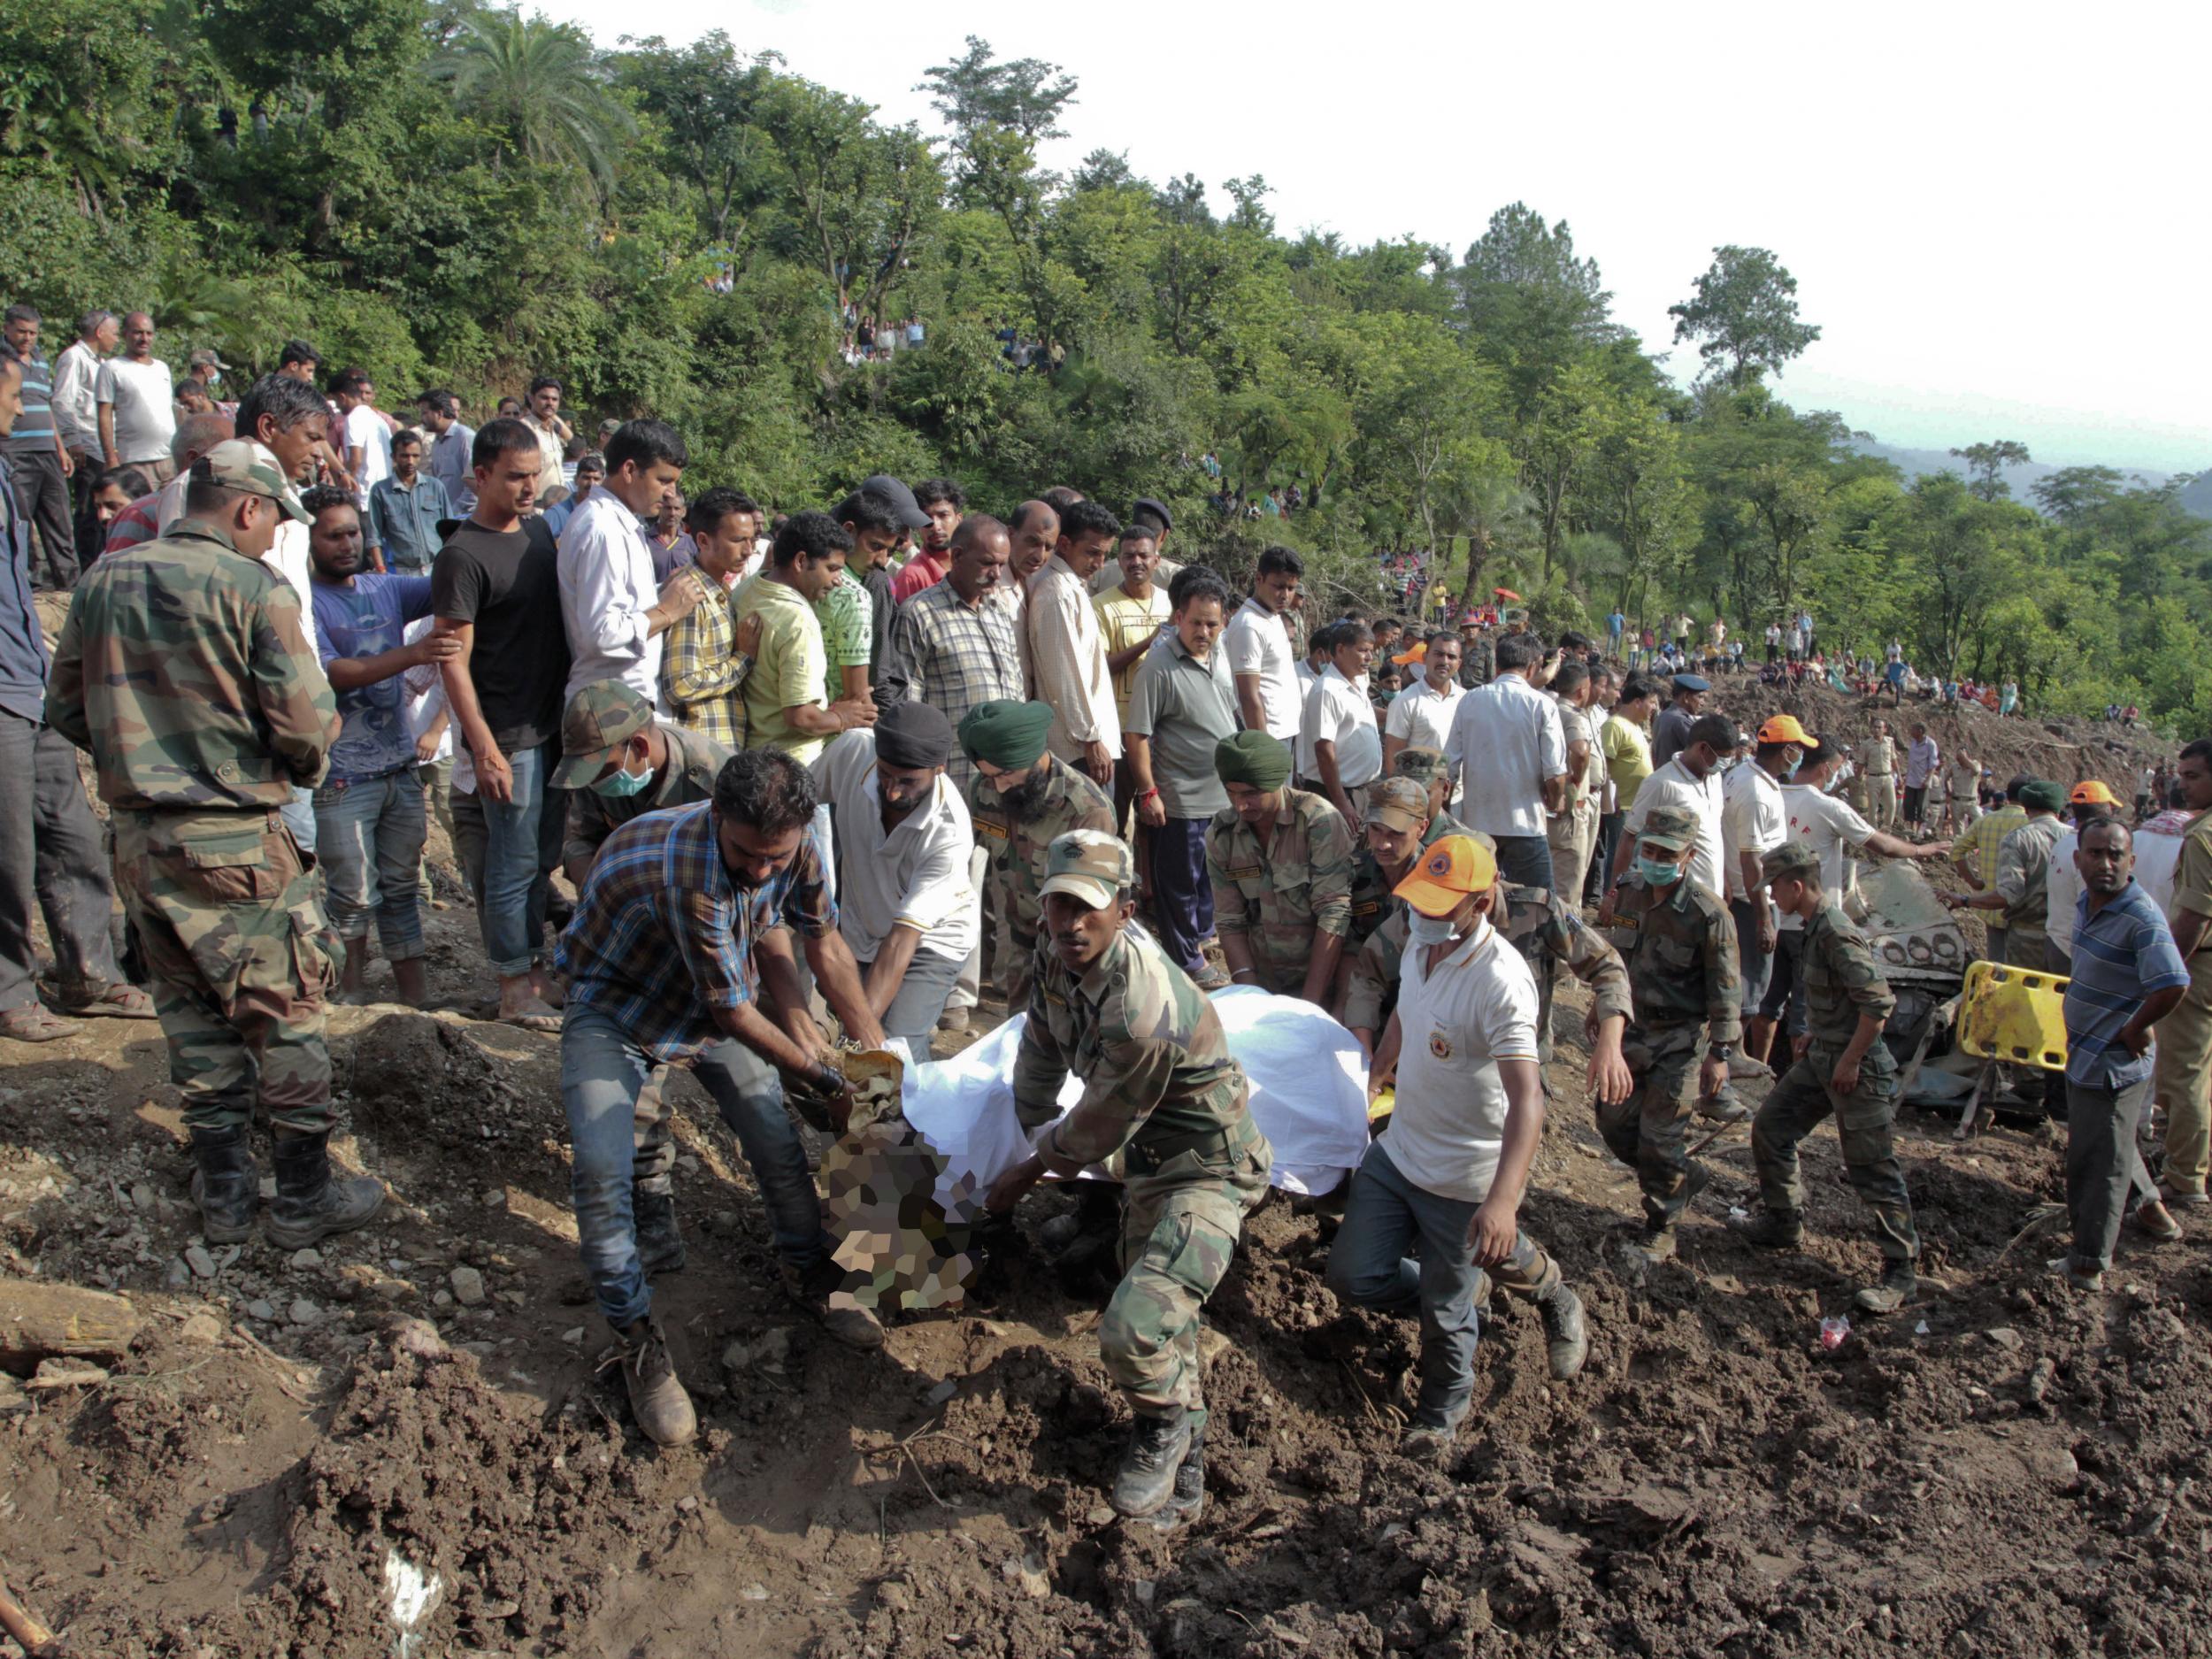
point(1447, 873)
point(2093, 793)
point(1419, 654)
point(1784, 728)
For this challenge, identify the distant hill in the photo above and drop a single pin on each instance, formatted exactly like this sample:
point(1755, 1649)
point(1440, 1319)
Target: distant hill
point(2198, 497)
point(1914, 462)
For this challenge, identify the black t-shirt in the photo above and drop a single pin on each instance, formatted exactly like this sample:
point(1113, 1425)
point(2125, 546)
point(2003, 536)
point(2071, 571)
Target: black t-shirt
point(508, 584)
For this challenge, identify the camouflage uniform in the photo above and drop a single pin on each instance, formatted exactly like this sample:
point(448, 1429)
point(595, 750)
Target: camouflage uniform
point(1016, 846)
point(1841, 983)
point(1281, 897)
point(1162, 1095)
point(1686, 986)
point(184, 669)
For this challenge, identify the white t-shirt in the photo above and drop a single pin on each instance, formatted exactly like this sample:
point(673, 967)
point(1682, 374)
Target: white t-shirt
point(916, 875)
point(145, 407)
point(1827, 823)
point(366, 431)
point(1752, 820)
point(1338, 711)
point(1258, 643)
point(1479, 1007)
point(1673, 786)
point(1420, 716)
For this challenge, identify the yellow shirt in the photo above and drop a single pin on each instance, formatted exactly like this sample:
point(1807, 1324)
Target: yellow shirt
point(1123, 621)
point(788, 668)
point(1626, 747)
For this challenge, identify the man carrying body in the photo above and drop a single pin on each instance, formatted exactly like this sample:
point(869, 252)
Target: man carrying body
point(1261, 656)
point(1682, 980)
point(1845, 1069)
point(1165, 1099)
point(1067, 650)
point(1452, 1170)
point(1021, 799)
point(1280, 864)
point(184, 670)
point(686, 920)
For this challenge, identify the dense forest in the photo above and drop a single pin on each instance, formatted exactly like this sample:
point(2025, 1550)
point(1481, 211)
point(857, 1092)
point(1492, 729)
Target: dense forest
point(445, 194)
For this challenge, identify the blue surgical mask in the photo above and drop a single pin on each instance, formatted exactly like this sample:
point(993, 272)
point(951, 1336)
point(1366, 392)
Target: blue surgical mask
point(1657, 872)
point(624, 784)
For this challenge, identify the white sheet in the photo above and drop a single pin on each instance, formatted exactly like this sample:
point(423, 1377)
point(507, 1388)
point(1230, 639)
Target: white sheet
point(1308, 1094)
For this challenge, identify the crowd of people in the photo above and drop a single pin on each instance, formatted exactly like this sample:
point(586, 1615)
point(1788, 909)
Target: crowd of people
point(836, 769)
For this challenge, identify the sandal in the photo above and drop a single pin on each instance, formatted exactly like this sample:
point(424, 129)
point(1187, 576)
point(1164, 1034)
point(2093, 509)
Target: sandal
point(112, 1001)
point(36, 1024)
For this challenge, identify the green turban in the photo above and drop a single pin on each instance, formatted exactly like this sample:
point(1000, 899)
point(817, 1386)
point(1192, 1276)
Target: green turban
point(1010, 735)
point(2041, 795)
point(1253, 758)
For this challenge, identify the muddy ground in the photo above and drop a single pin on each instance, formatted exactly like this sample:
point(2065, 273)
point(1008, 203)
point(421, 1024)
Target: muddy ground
point(2006, 1467)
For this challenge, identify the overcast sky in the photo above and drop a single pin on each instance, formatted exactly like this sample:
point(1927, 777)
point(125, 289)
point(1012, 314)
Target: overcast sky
point(1996, 217)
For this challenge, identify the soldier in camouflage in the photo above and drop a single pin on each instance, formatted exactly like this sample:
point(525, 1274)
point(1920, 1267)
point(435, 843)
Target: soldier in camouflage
point(1683, 977)
point(1280, 862)
point(1162, 1095)
point(1426, 767)
point(184, 670)
point(1020, 800)
point(1846, 1069)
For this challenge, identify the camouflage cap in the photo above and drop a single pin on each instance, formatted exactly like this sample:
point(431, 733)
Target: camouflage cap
point(243, 465)
point(1397, 803)
point(1791, 859)
point(1669, 827)
point(599, 719)
point(1089, 867)
point(1423, 765)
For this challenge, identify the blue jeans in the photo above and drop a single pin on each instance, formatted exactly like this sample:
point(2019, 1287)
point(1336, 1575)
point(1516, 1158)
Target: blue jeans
point(522, 841)
point(1525, 860)
point(602, 1071)
point(299, 817)
point(370, 832)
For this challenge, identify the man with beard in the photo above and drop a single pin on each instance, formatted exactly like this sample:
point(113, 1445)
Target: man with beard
point(665, 963)
point(1021, 800)
point(942, 503)
point(1279, 860)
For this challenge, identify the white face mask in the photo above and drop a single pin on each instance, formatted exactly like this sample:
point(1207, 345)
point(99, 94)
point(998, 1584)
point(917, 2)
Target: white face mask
point(1430, 930)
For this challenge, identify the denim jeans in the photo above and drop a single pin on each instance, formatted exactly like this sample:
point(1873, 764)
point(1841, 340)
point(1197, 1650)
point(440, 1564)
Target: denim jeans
point(370, 832)
point(601, 1071)
point(51, 865)
point(299, 817)
point(522, 841)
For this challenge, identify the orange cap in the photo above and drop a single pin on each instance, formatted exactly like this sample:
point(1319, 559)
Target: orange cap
point(2093, 793)
point(1419, 654)
point(1447, 873)
point(1784, 728)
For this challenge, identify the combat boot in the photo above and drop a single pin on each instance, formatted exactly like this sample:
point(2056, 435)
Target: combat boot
point(1895, 1290)
point(657, 1399)
point(1565, 1332)
point(310, 1205)
point(660, 1244)
point(1427, 1442)
point(1771, 1230)
point(1189, 1494)
point(1146, 1480)
point(226, 1187)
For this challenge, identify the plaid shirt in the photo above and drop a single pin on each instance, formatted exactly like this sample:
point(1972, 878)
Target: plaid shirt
point(1977, 855)
point(703, 672)
point(661, 939)
point(955, 656)
point(848, 617)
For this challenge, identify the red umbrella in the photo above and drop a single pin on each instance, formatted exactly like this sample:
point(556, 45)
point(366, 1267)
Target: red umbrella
point(1506, 592)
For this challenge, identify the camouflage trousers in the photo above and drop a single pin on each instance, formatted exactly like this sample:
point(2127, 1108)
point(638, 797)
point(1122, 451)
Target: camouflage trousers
point(1648, 1129)
point(1863, 1116)
point(1178, 1233)
point(233, 939)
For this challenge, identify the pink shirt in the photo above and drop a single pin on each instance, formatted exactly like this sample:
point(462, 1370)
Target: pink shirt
point(922, 570)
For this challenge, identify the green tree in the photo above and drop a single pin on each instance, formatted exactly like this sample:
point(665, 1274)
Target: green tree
point(1743, 316)
point(1985, 464)
point(540, 90)
point(708, 99)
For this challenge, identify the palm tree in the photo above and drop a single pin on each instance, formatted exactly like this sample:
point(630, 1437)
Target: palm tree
point(540, 87)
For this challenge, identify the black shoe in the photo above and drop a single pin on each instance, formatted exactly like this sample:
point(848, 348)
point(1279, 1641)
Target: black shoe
point(226, 1185)
point(1771, 1232)
point(310, 1206)
point(1565, 1332)
point(1188, 1497)
point(1147, 1478)
point(660, 1244)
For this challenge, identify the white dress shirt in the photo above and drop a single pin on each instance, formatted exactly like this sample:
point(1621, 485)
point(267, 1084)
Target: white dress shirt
point(1338, 711)
point(1420, 716)
point(1068, 652)
point(606, 574)
point(1672, 784)
point(917, 877)
point(1506, 741)
point(76, 410)
point(1259, 642)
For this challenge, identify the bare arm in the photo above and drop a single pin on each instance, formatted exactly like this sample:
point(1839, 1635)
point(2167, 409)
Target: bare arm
point(107, 434)
point(1331, 783)
point(839, 975)
point(2189, 931)
point(1496, 1226)
point(493, 776)
point(1556, 794)
point(350, 673)
point(887, 971)
point(1248, 703)
point(1321, 971)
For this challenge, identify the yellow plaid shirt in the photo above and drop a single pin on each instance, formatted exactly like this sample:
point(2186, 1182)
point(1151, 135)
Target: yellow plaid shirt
point(702, 671)
point(1976, 854)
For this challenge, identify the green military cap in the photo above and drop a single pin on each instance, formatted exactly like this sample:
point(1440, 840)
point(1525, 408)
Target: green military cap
point(1089, 867)
point(1423, 765)
point(1790, 859)
point(1397, 803)
point(2039, 795)
point(1669, 827)
point(242, 465)
point(599, 720)
point(1253, 758)
point(1010, 735)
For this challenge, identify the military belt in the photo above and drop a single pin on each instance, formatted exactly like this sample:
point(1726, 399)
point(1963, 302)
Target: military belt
point(1145, 1156)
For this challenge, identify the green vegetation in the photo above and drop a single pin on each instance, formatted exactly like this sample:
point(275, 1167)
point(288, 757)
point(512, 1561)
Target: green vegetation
point(450, 195)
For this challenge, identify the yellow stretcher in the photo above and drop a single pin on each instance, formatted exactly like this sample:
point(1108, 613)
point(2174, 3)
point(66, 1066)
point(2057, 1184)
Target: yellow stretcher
point(2014, 1014)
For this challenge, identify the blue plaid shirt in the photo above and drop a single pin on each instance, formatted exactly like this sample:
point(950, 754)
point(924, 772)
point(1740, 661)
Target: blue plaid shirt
point(662, 937)
point(2122, 954)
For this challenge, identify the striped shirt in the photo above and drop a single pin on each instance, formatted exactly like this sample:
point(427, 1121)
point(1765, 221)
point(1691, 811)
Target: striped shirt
point(34, 430)
point(2122, 954)
point(955, 654)
point(663, 940)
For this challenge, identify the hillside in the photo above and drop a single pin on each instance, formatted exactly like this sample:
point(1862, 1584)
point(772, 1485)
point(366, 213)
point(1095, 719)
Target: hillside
point(1922, 463)
point(2198, 497)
